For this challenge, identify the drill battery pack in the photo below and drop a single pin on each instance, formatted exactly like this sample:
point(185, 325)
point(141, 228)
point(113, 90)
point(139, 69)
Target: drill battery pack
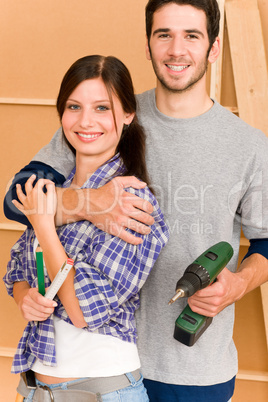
point(189, 326)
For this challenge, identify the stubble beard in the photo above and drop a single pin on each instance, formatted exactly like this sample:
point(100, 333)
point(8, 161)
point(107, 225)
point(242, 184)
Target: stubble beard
point(174, 85)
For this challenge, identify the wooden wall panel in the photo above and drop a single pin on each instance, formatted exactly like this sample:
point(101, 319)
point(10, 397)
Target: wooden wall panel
point(24, 129)
point(39, 41)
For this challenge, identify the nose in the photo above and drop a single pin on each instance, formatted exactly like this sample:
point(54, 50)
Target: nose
point(86, 119)
point(177, 47)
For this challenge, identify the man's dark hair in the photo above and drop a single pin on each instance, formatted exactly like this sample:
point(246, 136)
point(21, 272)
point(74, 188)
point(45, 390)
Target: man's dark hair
point(210, 7)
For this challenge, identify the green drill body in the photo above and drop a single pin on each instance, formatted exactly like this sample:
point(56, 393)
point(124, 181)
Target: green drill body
point(189, 326)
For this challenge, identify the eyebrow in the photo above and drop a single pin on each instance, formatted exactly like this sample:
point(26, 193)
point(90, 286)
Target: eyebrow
point(161, 30)
point(189, 31)
point(97, 101)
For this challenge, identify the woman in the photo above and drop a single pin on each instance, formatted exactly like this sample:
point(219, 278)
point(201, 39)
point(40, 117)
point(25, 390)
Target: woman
point(87, 347)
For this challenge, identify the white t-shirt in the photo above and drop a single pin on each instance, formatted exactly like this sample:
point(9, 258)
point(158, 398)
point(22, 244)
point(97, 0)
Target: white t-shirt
point(80, 353)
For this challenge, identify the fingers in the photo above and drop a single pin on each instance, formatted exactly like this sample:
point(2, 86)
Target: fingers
point(20, 193)
point(130, 181)
point(209, 301)
point(119, 231)
point(34, 200)
point(18, 205)
point(36, 307)
point(137, 207)
point(29, 184)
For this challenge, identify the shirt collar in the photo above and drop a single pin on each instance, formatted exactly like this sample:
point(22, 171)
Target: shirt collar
point(112, 168)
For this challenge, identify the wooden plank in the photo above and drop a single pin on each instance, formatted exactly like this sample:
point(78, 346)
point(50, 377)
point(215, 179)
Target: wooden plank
point(12, 226)
point(7, 352)
point(19, 398)
point(26, 101)
point(216, 68)
point(250, 76)
point(264, 296)
point(249, 61)
point(250, 375)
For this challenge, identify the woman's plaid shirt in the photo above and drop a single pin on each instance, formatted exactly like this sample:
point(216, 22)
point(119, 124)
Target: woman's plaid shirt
point(109, 275)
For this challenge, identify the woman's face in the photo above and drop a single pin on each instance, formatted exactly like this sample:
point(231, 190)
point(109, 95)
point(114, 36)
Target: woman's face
point(88, 121)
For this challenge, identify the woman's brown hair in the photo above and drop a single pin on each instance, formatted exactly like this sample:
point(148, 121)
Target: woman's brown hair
point(117, 80)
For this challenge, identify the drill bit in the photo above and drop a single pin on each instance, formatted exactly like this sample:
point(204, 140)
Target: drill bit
point(179, 293)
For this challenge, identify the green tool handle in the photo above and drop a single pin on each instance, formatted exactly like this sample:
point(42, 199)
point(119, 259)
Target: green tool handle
point(40, 271)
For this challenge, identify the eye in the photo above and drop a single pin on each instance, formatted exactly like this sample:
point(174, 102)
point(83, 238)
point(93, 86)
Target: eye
point(72, 106)
point(192, 36)
point(102, 108)
point(164, 36)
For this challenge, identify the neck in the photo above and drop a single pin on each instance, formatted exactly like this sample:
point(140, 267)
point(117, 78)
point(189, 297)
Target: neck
point(85, 167)
point(182, 105)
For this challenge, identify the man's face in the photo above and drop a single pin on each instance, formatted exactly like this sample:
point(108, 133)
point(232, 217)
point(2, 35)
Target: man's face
point(178, 47)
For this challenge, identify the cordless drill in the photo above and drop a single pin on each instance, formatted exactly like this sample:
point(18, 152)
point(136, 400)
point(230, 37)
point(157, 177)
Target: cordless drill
point(189, 326)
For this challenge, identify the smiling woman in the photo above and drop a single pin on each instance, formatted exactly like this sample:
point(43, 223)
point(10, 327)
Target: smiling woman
point(94, 104)
point(89, 125)
point(90, 332)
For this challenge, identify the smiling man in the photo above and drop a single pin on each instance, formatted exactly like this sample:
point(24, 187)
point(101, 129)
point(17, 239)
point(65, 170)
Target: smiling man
point(178, 48)
point(209, 171)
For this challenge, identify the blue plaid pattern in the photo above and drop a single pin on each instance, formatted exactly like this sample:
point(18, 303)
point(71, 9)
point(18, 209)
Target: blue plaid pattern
point(109, 275)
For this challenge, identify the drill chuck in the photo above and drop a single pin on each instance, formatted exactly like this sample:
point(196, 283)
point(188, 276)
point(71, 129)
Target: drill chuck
point(179, 293)
point(195, 277)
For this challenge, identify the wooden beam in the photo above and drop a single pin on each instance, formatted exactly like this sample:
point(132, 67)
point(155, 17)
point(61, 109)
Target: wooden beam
point(250, 375)
point(264, 296)
point(250, 76)
point(216, 68)
point(249, 61)
point(12, 227)
point(26, 101)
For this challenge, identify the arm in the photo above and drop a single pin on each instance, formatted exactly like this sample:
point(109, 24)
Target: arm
point(110, 208)
point(41, 171)
point(21, 283)
point(40, 209)
point(110, 272)
point(252, 213)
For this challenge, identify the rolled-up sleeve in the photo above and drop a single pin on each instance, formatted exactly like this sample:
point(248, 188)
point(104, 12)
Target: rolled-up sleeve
point(110, 273)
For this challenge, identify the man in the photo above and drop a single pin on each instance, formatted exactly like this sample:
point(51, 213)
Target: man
point(209, 170)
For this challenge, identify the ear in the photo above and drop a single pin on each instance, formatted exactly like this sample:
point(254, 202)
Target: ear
point(147, 49)
point(128, 119)
point(214, 51)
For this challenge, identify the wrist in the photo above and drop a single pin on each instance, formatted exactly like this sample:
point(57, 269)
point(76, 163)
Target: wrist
point(241, 285)
point(46, 234)
point(253, 272)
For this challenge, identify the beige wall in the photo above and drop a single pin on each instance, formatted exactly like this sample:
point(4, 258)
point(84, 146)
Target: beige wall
point(38, 42)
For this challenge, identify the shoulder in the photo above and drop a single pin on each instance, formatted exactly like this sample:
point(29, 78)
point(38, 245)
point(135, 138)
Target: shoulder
point(159, 229)
point(235, 125)
point(144, 99)
point(144, 193)
point(234, 132)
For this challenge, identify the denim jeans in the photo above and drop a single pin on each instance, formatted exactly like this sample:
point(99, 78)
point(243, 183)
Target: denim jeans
point(135, 392)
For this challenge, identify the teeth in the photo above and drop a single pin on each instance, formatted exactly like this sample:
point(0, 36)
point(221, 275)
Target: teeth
point(88, 136)
point(176, 68)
